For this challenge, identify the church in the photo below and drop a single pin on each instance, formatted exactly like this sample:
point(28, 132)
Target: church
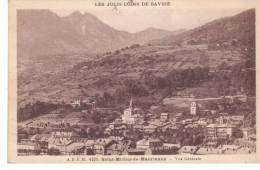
point(128, 116)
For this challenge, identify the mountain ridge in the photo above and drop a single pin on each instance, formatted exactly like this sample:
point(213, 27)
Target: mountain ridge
point(224, 29)
point(42, 32)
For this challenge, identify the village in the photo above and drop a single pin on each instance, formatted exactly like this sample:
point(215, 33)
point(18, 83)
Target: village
point(137, 131)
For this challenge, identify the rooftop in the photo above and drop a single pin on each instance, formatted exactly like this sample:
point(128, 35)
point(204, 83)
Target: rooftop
point(188, 149)
point(208, 150)
point(219, 126)
point(164, 114)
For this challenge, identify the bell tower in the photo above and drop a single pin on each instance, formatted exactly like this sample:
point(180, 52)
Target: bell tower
point(131, 106)
point(193, 108)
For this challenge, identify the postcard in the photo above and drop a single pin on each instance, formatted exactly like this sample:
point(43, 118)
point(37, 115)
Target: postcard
point(133, 81)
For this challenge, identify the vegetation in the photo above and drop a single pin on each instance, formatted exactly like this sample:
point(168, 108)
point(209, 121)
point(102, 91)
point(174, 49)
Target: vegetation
point(150, 84)
point(38, 108)
point(238, 78)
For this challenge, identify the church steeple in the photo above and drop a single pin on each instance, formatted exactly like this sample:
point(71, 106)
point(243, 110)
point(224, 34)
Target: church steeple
point(131, 106)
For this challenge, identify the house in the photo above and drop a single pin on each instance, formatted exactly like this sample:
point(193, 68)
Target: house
point(118, 121)
point(179, 115)
point(120, 130)
point(201, 122)
point(158, 125)
point(164, 117)
point(236, 120)
point(100, 145)
point(89, 102)
point(242, 98)
point(139, 127)
point(208, 150)
point(75, 103)
point(171, 145)
point(107, 131)
point(219, 131)
point(148, 143)
point(188, 149)
point(229, 149)
point(143, 144)
point(64, 134)
point(43, 140)
point(210, 144)
point(40, 137)
point(28, 147)
point(89, 144)
point(138, 119)
point(220, 120)
point(187, 121)
point(213, 112)
point(247, 132)
point(135, 151)
point(248, 121)
point(115, 149)
point(77, 148)
point(149, 128)
point(191, 126)
point(245, 150)
point(165, 126)
point(59, 143)
point(60, 139)
point(239, 117)
point(116, 138)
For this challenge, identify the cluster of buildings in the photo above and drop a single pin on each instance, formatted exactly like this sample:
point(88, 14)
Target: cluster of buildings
point(86, 103)
point(136, 133)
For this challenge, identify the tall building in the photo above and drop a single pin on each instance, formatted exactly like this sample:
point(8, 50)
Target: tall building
point(219, 131)
point(164, 117)
point(193, 108)
point(127, 117)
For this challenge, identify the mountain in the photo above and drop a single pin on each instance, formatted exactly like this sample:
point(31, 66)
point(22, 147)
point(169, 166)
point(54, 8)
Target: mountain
point(222, 43)
point(43, 33)
point(154, 33)
point(238, 28)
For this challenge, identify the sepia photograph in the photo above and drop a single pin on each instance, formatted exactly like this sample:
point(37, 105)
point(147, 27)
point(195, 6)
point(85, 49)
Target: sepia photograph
point(121, 81)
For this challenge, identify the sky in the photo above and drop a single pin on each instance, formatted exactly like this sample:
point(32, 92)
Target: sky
point(137, 19)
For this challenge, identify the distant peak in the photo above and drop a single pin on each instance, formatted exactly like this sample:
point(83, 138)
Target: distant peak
point(80, 15)
point(87, 14)
point(151, 28)
point(77, 14)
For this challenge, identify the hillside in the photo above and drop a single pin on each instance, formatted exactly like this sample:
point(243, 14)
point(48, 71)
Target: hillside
point(153, 33)
point(153, 71)
point(238, 30)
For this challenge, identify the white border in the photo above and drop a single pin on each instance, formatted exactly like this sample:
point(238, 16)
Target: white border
point(3, 80)
point(3, 124)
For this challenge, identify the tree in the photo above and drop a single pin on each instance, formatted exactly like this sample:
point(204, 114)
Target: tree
point(160, 82)
point(120, 95)
point(237, 133)
point(187, 141)
point(96, 117)
point(135, 88)
point(54, 151)
point(198, 140)
point(223, 66)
